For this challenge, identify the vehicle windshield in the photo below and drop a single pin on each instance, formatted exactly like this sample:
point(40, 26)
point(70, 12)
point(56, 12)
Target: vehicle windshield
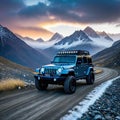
point(64, 59)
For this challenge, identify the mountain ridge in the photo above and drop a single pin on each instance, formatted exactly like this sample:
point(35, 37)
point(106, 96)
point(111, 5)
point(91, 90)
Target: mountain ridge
point(18, 51)
point(109, 57)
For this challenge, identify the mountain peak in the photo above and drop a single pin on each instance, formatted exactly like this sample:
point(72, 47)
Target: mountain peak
point(40, 40)
point(56, 37)
point(78, 37)
point(4, 31)
point(90, 32)
point(105, 35)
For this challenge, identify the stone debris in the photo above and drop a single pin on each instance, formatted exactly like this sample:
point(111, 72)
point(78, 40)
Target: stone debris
point(108, 105)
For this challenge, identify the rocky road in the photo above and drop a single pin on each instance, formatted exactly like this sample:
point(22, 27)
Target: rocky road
point(31, 104)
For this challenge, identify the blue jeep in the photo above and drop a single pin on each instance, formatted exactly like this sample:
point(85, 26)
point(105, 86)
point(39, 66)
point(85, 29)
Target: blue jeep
point(66, 68)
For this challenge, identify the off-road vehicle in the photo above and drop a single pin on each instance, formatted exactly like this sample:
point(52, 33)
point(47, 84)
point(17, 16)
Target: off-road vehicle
point(66, 68)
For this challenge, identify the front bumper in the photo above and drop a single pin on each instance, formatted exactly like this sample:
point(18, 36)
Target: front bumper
point(50, 79)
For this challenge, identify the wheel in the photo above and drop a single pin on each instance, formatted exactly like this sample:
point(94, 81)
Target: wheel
point(90, 78)
point(70, 85)
point(39, 85)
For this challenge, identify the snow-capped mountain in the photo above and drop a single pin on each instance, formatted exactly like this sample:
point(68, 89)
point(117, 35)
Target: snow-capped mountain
point(93, 34)
point(90, 32)
point(16, 50)
point(77, 38)
point(88, 39)
point(99, 38)
point(88, 36)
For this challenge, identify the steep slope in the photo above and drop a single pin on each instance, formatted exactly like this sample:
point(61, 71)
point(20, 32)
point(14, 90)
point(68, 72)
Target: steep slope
point(14, 49)
point(10, 69)
point(109, 57)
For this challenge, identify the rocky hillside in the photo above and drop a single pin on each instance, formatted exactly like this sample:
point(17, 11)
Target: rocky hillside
point(10, 69)
point(109, 57)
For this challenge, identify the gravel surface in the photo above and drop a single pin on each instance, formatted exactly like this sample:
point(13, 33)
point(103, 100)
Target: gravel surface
point(107, 107)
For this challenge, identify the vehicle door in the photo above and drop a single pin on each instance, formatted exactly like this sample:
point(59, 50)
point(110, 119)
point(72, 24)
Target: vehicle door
point(79, 67)
point(85, 65)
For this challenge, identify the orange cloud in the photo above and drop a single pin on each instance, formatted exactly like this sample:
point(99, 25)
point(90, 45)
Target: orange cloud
point(33, 32)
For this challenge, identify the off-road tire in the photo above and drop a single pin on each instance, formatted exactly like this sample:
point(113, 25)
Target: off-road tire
point(70, 85)
point(39, 85)
point(90, 78)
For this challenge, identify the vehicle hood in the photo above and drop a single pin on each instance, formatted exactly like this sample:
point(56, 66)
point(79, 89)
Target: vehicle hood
point(59, 65)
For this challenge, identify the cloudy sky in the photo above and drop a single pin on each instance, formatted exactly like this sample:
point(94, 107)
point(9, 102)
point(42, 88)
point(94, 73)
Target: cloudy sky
point(42, 18)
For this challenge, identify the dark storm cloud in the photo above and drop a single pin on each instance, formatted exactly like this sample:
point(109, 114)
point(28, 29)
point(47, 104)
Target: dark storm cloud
point(80, 11)
point(84, 11)
point(6, 5)
point(34, 11)
point(9, 9)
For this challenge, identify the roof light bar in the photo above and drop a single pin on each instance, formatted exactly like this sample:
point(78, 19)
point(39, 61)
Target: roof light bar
point(73, 52)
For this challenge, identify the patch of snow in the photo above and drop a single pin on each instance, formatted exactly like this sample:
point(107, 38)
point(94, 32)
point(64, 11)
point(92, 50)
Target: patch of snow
point(90, 99)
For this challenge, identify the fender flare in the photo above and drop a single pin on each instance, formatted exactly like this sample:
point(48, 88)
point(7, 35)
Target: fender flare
point(66, 71)
point(89, 69)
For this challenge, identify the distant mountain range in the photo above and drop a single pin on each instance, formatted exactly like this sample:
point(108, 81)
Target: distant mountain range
point(40, 44)
point(34, 53)
point(109, 57)
point(88, 39)
point(16, 50)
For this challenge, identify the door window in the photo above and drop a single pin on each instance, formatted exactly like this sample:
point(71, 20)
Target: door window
point(85, 60)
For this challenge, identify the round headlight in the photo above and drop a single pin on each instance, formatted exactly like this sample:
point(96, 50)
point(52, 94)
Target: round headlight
point(42, 70)
point(59, 71)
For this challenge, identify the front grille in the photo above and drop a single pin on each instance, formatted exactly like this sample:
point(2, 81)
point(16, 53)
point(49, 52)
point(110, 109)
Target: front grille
point(50, 71)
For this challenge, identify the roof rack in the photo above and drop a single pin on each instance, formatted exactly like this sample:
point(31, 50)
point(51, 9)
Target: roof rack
point(73, 52)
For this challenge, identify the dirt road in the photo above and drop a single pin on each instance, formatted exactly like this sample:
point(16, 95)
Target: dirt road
point(31, 104)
